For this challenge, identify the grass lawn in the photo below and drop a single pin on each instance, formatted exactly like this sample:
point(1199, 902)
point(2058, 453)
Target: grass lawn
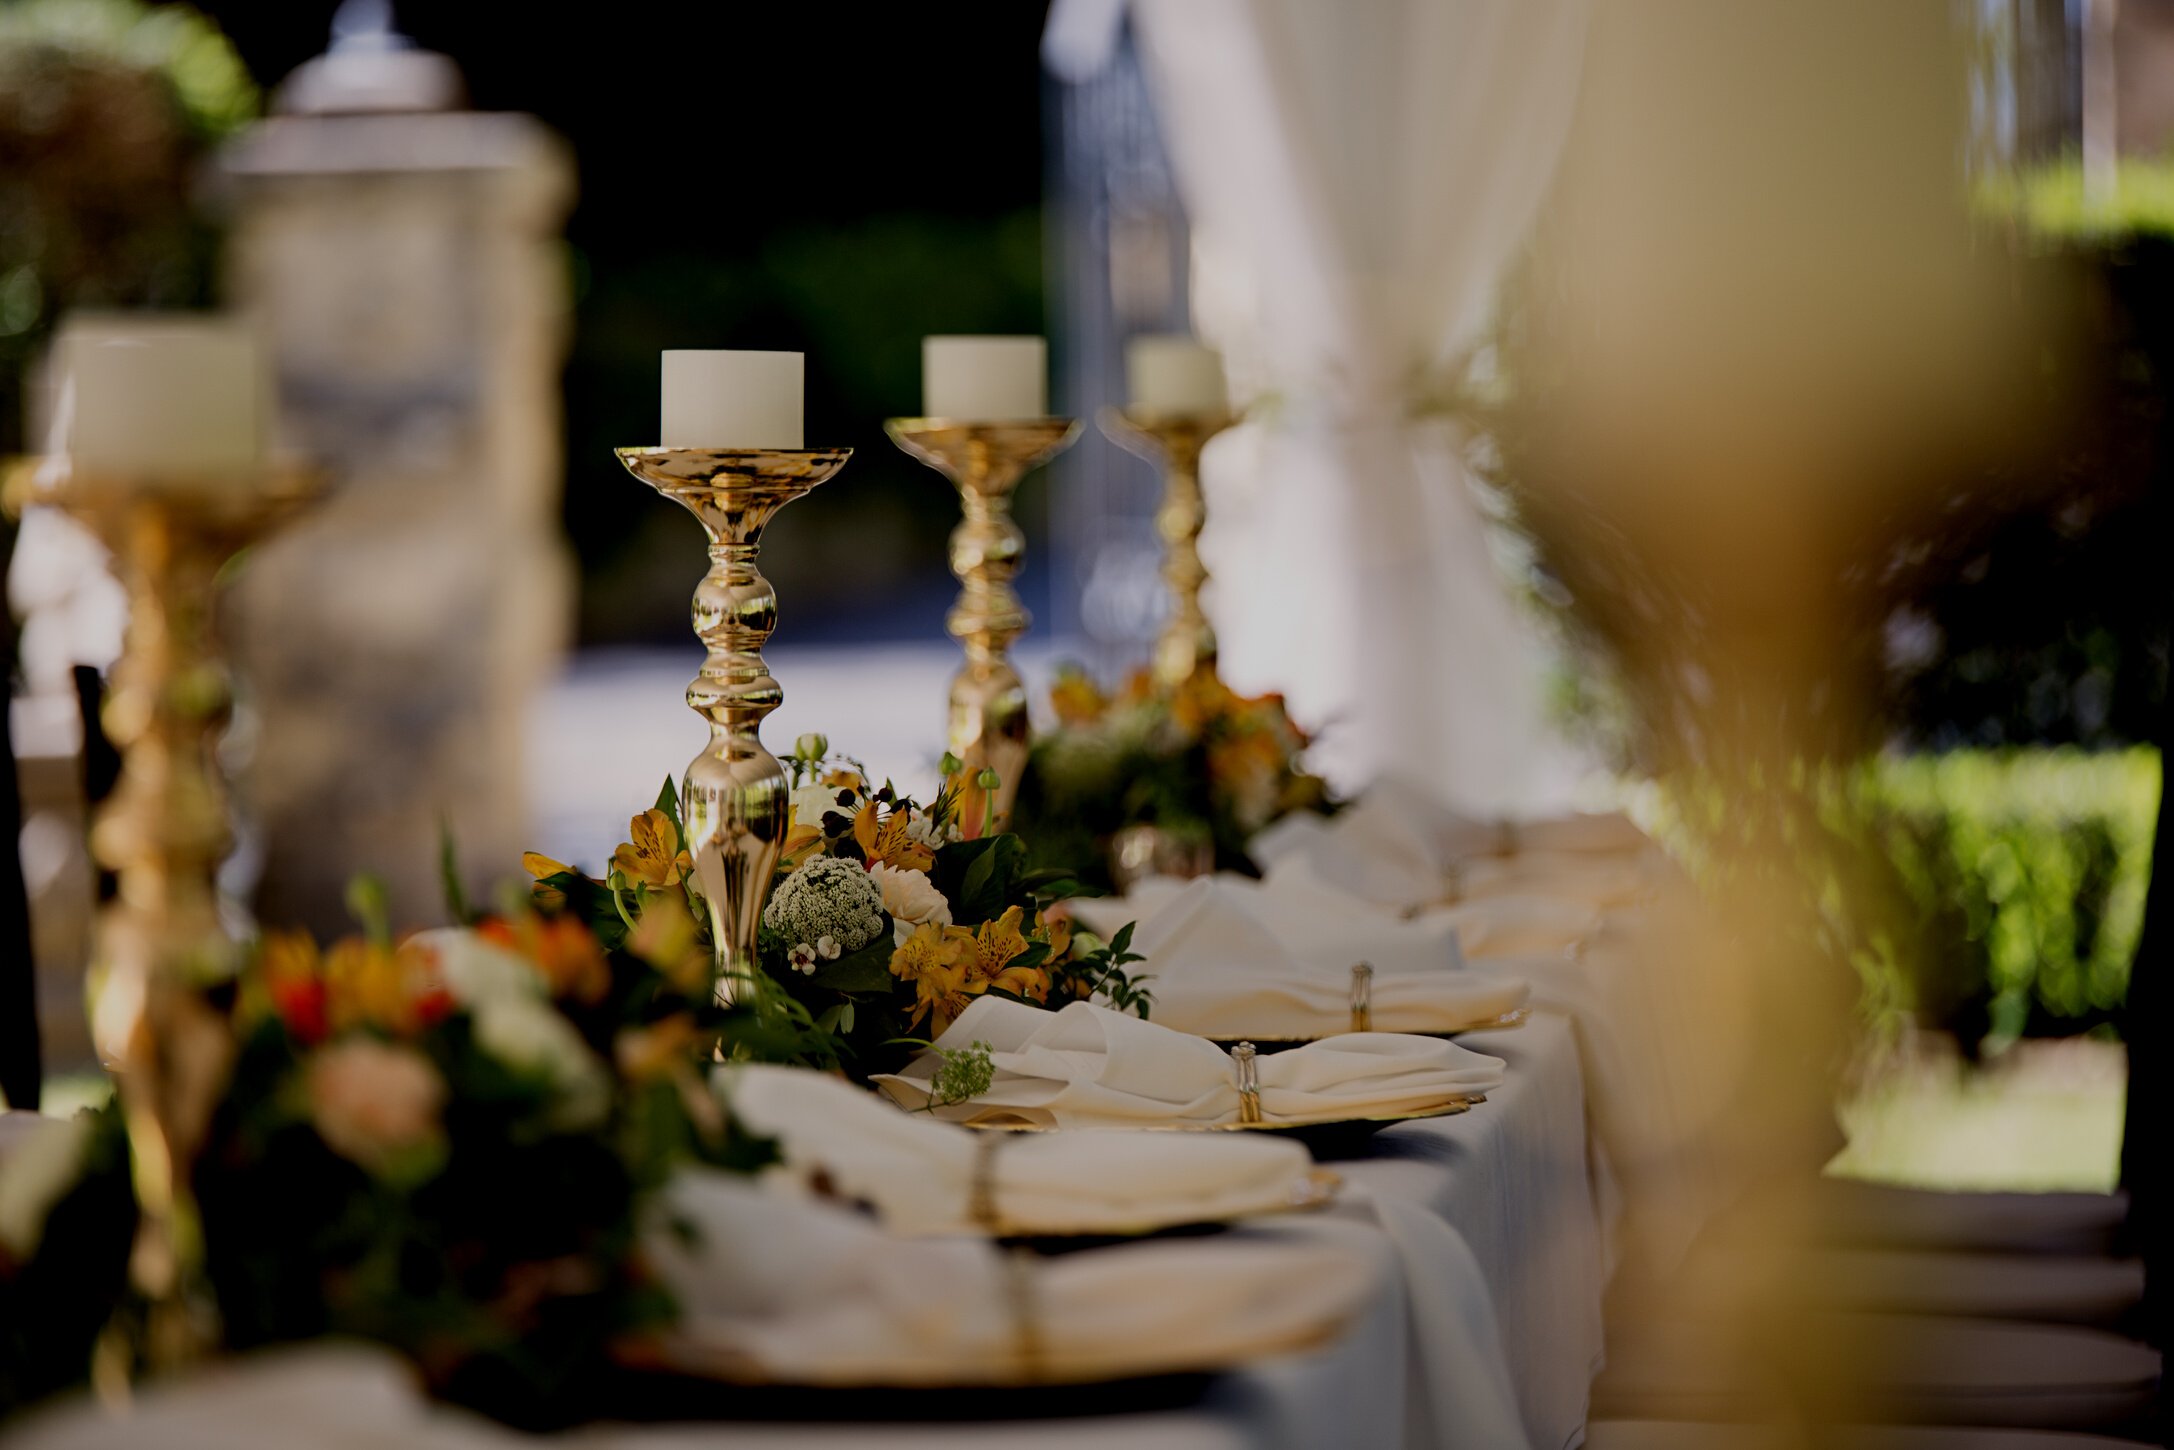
point(2044, 1115)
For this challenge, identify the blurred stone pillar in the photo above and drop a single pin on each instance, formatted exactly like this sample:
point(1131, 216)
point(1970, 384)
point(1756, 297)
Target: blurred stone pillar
point(404, 260)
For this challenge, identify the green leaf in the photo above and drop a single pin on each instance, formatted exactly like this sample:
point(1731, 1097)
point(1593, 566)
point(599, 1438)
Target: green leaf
point(668, 802)
point(867, 970)
point(990, 882)
point(1035, 954)
point(456, 899)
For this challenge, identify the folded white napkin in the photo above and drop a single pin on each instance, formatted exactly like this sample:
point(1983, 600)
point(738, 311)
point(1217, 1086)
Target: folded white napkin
point(1089, 1067)
point(1232, 959)
point(919, 1172)
point(1188, 925)
point(1296, 897)
point(803, 1293)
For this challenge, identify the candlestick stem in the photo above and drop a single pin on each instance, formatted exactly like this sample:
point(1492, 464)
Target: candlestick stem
point(1173, 442)
point(988, 702)
point(734, 797)
point(159, 948)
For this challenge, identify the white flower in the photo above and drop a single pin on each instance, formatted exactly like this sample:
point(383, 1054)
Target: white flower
point(529, 1035)
point(802, 959)
point(375, 1104)
point(812, 802)
point(923, 831)
point(827, 896)
point(40, 1172)
point(827, 948)
point(910, 897)
point(474, 970)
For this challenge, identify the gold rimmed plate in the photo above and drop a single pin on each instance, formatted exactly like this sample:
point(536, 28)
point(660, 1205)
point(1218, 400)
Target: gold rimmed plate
point(1317, 1190)
point(1327, 1138)
point(1515, 1017)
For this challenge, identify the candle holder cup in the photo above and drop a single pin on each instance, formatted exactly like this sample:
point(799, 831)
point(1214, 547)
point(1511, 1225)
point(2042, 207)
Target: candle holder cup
point(985, 461)
point(735, 799)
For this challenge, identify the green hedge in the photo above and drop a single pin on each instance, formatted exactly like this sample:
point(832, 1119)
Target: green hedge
point(2024, 873)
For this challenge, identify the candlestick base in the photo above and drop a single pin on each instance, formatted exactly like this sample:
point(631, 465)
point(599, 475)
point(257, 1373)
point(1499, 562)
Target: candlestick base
point(1172, 442)
point(986, 461)
point(735, 796)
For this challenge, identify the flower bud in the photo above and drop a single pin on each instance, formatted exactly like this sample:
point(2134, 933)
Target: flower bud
point(811, 746)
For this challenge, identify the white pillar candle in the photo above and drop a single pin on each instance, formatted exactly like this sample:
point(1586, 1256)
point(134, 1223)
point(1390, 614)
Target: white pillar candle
point(148, 396)
point(1172, 373)
point(984, 378)
point(732, 400)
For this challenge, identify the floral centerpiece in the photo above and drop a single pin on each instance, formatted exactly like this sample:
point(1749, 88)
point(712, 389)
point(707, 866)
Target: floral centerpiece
point(442, 1143)
point(886, 917)
point(1201, 765)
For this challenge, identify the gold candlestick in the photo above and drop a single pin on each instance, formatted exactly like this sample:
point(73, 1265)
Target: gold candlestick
point(1172, 441)
point(986, 461)
point(159, 947)
point(735, 798)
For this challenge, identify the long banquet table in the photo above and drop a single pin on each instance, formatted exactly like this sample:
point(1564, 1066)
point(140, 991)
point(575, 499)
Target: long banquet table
point(1512, 1177)
point(1491, 1233)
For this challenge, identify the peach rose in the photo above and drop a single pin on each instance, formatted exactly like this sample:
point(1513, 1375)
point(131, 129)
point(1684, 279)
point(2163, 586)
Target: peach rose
point(377, 1105)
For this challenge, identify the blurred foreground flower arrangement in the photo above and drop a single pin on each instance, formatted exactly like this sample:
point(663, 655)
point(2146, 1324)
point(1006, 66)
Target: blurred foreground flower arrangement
point(443, 1144)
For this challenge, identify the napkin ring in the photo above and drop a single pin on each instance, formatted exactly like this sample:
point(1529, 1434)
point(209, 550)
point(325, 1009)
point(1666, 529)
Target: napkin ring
point(1244, 1058)
point(1362, 997)
point(981, 1184)
point(1019, 1267)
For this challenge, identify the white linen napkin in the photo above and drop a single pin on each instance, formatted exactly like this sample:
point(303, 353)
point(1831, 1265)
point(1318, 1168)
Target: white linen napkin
point(803, 1293)
point(1312, 922)
point(1089, 1067)
point(1496, 925)
point(919, 1172)
point(1229, 959)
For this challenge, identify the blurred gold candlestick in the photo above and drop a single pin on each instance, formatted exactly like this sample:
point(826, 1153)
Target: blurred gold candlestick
point(159, 947)
point(1172, 442)
point(735, 797)
point(986, 462)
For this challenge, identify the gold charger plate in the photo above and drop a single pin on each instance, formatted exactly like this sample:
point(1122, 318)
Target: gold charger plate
point(1515, 1017)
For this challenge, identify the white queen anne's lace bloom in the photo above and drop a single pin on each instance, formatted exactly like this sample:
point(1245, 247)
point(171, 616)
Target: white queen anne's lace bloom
point(828, 896)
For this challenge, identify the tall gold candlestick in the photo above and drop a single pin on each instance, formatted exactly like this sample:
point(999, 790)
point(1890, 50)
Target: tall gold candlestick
point(735, 798)
point(159, 947)
point(1172, 441)
point(986, 461)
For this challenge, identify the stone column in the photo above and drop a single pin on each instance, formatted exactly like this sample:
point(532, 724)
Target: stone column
point(405, 263)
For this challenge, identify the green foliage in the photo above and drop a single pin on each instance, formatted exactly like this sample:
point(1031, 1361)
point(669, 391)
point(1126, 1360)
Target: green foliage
point(962, 1074)
point(2027, 873)
point(2052, 200)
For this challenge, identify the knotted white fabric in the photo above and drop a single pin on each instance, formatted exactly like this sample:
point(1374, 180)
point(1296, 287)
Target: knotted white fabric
point(1357, 176)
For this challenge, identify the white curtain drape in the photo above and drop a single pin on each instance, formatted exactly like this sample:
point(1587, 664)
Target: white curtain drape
point(1358, 175)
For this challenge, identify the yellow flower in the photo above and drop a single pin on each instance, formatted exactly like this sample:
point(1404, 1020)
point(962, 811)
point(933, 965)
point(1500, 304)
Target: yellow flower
point(885, 841)
point(669, 939)
point(1055, 928)
point(367, 985)
point(985, 949)
point(662, 1049)
point(564, 952)
point(1077, 699)
point(653, 857)
point(550, 898)
point(801, 842)
point(930, 958)
point(844, 778)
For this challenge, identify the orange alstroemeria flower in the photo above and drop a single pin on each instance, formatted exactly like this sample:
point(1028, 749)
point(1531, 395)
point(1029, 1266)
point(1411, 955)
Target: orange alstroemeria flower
point(564, 952)
point(884, 841)
point(930, 958)
point(987, 948)
point(654, 856)
point(1077, 699)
